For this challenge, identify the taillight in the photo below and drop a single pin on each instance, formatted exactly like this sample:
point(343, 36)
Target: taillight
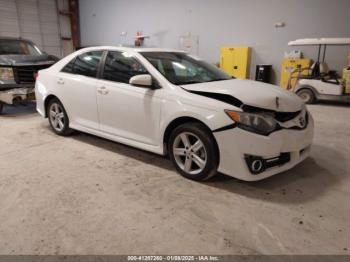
point(35, 75)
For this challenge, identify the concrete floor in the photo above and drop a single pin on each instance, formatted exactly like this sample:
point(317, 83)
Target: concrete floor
point(86, 195)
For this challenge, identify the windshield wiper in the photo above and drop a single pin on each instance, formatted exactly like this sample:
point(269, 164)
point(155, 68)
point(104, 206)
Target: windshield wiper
point(188, 82)
point(219, 79)
point(198, 82)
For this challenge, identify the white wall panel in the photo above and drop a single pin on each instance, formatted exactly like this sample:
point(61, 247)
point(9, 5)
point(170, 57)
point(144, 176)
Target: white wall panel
point(220, 23)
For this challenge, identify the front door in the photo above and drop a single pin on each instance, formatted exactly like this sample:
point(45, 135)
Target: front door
point(125, 110)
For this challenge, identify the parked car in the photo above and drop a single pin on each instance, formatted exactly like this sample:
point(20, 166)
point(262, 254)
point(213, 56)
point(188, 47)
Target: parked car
point(20, 60)
point(170, 102)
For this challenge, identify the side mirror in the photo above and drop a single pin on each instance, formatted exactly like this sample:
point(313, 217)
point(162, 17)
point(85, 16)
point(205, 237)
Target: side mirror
point(141, 80)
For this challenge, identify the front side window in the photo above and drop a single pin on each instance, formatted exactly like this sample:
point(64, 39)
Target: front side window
point(18, 47)
point(85, 64)
point(120, 67)
point(181, 68)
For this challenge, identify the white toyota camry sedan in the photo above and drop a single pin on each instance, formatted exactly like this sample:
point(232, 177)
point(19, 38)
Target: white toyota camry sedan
point(172, 103)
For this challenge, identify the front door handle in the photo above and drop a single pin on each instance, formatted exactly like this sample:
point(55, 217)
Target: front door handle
point(60, 81)
point(102, 90)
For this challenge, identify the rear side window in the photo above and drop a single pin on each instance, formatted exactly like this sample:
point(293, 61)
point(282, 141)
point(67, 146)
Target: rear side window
point(69, 67)
point(85, 64)
point(120, 67)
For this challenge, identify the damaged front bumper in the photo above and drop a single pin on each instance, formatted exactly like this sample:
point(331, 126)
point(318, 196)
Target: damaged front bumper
point(249, 156)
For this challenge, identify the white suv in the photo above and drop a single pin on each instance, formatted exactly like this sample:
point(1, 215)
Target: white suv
point(170, 102)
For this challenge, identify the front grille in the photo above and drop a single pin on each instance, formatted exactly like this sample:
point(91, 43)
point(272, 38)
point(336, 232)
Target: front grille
point(286, 116)
point(306, 123)
point(25, 74)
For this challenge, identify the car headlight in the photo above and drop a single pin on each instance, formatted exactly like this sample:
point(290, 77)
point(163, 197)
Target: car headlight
point(6, 74)
point(263, 123)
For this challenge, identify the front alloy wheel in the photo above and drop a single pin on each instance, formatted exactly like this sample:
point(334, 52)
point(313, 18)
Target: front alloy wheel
point(193, 151)
point(189, 153)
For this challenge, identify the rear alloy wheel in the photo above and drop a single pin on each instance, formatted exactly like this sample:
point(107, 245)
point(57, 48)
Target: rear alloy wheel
point(193, 151)
point(307, 96)
point(58, 118)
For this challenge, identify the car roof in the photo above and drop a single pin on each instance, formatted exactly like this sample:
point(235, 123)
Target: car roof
point(134, 49)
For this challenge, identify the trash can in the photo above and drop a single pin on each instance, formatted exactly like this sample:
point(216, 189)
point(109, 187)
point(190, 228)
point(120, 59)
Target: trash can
point(263, 73)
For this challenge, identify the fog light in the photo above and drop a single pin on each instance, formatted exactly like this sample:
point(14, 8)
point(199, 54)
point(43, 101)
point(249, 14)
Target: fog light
point(255, 164)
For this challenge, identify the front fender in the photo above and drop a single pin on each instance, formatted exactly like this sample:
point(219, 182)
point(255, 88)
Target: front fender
point(173, 110)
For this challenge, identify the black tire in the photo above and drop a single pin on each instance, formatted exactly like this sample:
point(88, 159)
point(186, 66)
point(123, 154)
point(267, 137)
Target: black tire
point(307, 96)
point(1, 107)
point(65, 130)
point(201, 132)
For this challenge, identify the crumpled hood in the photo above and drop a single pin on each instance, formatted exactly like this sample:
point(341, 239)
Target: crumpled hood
point(252, 93)
point(21, 60)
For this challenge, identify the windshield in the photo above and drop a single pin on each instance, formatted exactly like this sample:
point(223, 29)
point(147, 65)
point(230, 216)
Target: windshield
point(18, 47)
point(182, 69)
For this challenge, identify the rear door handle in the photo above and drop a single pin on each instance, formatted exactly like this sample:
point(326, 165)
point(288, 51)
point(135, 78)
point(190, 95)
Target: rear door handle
point(60, 81)
point(102, 90)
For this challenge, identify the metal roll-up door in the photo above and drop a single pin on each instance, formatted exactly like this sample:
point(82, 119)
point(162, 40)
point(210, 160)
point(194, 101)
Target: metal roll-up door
point(36, 20)
point(8, 19)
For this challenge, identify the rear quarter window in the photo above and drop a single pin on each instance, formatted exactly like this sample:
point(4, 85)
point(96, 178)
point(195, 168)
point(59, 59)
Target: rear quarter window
point(69, 67)
point(85, 64)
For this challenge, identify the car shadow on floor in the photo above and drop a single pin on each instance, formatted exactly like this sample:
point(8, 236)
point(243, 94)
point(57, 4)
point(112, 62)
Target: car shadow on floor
point(305, 182)
point(27, 108)
point(127, 151)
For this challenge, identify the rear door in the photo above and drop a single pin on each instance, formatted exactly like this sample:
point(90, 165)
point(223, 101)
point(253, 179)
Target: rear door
point(76, 84)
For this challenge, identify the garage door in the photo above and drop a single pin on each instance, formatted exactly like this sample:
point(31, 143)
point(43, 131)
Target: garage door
point(36, 20)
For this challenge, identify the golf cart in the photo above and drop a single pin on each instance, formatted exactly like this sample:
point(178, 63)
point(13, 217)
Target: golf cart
point(318, 82)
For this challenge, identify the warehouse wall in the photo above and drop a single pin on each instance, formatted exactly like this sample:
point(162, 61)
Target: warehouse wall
point(38, 21)
point(220, 23)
